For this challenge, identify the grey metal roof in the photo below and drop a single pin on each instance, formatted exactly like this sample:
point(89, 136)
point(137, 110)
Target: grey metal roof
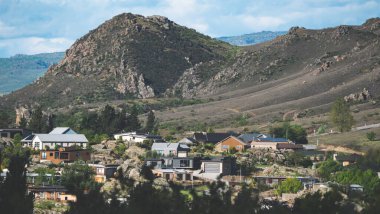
point(62, 130)
point(64, 138)
point(248, 137)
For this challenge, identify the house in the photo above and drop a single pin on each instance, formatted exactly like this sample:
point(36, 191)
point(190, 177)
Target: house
point(64, 155)
point(219, 165)
point(58, 137)
point(346, 160)
point(171, 149)
point(54, 192)
point(188, 141)
point(104, 172)
point(249, 137)
point(174, 174)
point(10, 133)
point(204, 137)
point(135, 137)
point(174, 163)
point(269, 143)
point(229, 143)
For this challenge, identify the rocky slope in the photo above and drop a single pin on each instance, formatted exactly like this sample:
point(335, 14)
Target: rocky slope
point(127, 56)
point(301, 72)
point(142, 57)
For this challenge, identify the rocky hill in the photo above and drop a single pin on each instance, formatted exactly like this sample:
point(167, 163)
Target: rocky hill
point(297, 74)
point(251, 38)
point(132, 56)
point(127, 56)
point(20, 70)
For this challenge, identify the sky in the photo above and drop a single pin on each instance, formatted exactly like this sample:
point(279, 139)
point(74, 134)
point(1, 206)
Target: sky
point(40, 26)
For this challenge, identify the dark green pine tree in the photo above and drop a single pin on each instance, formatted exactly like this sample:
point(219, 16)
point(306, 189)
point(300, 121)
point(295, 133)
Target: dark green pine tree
point(150, 122)
point(13, 192)
point(133, 123)
point(37, 123)
point(23, 123)
point(107, 119)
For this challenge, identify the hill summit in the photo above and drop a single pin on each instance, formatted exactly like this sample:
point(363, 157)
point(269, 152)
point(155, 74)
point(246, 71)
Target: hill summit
point(127, 56)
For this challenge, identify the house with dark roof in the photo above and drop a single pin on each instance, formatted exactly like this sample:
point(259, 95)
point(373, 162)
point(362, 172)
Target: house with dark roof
point(229, 144)
point(53, 192)
point(346, 160)
point(10, 133)
point(174, 163)
point(214, 138)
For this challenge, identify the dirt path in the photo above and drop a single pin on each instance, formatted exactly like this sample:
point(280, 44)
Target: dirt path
point(339, 149)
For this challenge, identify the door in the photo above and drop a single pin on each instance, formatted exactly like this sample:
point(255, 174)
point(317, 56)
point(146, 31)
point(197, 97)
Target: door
point(212, 167)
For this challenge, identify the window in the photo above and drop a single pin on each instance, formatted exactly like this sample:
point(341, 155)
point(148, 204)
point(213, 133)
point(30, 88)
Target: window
point(238, 147)
point(225, 146)
point(43, 155)
point(51, 154)
point(184, 163)
point(56, 155)
point(64, 156)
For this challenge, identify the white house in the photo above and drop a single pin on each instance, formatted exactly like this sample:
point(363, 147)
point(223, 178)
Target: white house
point(135, 137)
point(60, 136)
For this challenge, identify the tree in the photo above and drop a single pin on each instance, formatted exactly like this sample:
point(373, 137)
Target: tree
point(23, 123)
point(295, 133)
point(37, 123)
point(340, 115)
point(290, 185)
point(371, 136)
point(328, 167)
point(5, 119)
point(13, 192)
point(78, 177)
point(150, 122)
point(133, 123)
point(107, 119)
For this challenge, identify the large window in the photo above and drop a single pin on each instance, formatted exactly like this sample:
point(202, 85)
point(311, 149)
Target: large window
point(184, 163)
point(43, 155)
point(225, 146)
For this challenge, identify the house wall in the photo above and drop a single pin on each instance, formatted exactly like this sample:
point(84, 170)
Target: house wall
point(177, 164)
point(264, 145)
point(182, 154)
point(230, 143)
point(67, 197)
point(56, 157)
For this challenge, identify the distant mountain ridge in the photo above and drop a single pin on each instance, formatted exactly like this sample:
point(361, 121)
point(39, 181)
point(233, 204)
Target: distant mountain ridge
point(20, 70)
point(251, 38)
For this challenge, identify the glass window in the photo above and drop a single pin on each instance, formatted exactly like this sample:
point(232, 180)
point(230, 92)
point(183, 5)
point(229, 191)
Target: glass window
point(184, 163)
point(43, 155)
point(225, 146)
